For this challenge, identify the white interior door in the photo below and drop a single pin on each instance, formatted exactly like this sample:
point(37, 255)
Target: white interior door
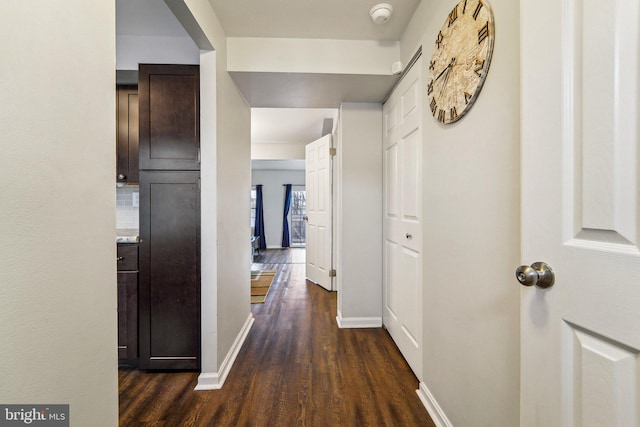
point(402, 253)
point(318, 182)
point(580, 212)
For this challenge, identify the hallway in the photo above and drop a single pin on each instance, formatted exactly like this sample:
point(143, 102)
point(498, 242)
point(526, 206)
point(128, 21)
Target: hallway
point(295, 368)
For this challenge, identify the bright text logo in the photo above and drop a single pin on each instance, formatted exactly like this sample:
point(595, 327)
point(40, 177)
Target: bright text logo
point(37, 415)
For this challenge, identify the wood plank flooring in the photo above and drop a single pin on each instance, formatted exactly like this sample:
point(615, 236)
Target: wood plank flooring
point(280, 256)
point(296, 368)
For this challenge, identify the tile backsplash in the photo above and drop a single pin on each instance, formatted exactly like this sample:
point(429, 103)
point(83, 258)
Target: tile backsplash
point(127, 213)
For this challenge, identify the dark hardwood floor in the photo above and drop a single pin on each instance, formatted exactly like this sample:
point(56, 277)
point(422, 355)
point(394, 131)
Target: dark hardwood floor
point(296, 368)
point(279, 256)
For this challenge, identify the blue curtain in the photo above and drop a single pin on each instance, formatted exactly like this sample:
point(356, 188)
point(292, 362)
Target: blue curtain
point(285, 223)
point(258, 227)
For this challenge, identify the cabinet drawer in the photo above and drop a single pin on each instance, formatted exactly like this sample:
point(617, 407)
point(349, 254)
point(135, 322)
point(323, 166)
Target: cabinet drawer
point(127, 257)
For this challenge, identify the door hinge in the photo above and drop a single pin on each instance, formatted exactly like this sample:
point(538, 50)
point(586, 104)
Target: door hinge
point(332, 273)
point(332, 151)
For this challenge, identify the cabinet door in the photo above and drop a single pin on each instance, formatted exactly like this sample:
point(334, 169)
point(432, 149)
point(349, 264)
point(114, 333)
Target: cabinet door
point(127, 315)
point(169, 270)
point(127, 257)
point(127, 134)
point(169, 97)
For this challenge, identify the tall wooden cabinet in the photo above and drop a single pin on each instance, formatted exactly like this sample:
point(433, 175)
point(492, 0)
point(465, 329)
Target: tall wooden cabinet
point(169, 288)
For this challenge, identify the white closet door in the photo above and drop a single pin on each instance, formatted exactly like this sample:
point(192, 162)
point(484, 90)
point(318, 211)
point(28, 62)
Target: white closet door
point(402, 286)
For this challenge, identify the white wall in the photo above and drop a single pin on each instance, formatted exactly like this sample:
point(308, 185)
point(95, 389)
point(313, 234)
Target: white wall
point(57, 221)
point(360, 215)
point(134, 50)
point(278, 55)
point(226, 183)
point(209, 214)
point(273, 199)
point(472, 246)
point(277, 151)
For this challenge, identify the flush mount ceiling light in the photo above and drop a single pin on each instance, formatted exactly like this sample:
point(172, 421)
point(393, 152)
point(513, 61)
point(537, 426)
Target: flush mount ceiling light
point(381, 13)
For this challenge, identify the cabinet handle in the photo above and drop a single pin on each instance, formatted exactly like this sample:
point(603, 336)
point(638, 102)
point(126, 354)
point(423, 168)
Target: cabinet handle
point(120, 258)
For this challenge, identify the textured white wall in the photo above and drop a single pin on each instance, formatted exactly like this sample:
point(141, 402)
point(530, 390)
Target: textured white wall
point(57, 221)
point(472, 234)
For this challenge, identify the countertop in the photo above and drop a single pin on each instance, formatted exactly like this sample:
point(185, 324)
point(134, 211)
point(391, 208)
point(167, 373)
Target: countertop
point(127, 235)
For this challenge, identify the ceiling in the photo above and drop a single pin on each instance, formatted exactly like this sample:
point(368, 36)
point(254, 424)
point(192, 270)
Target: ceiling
point(321, 19)
point(147, 18)
point(318, 19)
point(287, 126)
point(315, 19)
point(302, 125)
point(324, 19)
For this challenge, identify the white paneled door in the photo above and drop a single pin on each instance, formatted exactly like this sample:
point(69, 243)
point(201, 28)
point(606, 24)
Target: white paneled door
point(580, 212)
point(318, 187)
point(402, 252)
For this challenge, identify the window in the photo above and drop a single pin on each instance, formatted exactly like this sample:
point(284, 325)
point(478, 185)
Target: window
point(296, 213)
point(253, 206)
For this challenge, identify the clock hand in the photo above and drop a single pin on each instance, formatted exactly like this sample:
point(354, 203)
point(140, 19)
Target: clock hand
point(443, 71)
point(444, 83)
point(447, 68)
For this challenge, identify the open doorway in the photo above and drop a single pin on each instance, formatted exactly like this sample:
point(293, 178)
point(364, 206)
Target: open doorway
point(278, 234)
point(280, 183)
point(276, 228)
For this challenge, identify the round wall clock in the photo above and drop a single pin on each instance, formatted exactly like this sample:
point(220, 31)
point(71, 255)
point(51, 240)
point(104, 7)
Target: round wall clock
point(461, 60)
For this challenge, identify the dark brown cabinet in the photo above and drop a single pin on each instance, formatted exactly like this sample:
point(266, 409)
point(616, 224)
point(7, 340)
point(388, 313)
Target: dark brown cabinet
point(169, 290)
point(169, 117)
point(127, 265)
point(169, 270)
point(127, 134)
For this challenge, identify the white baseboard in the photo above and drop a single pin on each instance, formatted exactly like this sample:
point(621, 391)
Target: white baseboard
point(215, 380)
point(358, 322)
point(435, 411)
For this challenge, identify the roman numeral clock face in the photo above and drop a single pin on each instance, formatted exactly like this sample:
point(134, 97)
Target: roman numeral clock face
point(460, 61)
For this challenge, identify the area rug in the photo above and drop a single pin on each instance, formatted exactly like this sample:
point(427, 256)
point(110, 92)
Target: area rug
point(260, 284)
